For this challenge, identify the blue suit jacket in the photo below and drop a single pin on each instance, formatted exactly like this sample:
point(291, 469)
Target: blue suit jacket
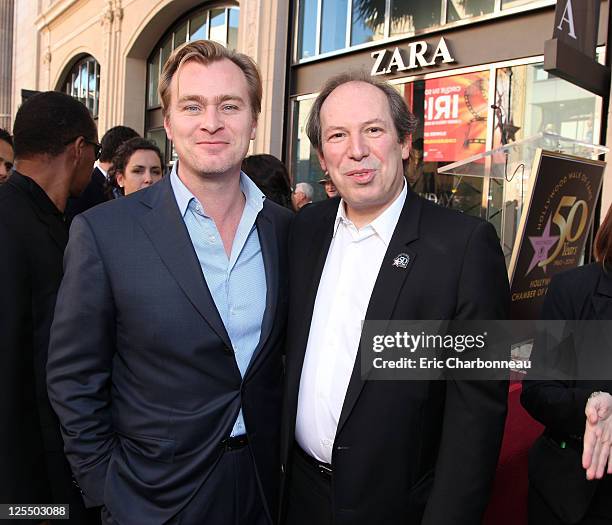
point(141, 371)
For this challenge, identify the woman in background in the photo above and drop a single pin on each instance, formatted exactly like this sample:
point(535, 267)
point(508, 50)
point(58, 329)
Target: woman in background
point(569, 485)
point(136, 165)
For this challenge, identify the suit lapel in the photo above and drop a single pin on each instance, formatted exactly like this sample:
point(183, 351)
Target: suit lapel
point(167, 231)
point(394, 270)
point(269, 252)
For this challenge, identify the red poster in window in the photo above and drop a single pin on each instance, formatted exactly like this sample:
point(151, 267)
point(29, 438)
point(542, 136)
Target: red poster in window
point(455, 124)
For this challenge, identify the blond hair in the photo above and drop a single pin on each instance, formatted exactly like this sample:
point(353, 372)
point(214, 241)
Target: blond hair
point(205, 52)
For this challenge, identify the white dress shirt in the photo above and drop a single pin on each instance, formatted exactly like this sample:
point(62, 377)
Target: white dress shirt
point(348, 278)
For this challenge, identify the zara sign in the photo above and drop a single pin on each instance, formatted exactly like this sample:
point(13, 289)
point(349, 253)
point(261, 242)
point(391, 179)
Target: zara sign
point(419, 54)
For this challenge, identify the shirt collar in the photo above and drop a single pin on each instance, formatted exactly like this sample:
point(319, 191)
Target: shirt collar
point(104, 172)
point(38, 195)
point(384, 225)
point(253, 195)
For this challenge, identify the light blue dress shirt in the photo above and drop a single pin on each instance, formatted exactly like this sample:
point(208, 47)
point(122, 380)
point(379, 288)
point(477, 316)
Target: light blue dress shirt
point(238, 283)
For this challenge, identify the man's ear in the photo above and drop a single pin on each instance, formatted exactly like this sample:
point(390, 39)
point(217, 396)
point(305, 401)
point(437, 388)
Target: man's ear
point(254, 129)
point(406, 146)
point(167, 126)
point(321, 160)
point(77, 149)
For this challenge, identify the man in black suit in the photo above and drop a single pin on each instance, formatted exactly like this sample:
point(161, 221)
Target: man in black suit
point(55, 148)
point(95, 193)
point(165, 362)
point(383, 452)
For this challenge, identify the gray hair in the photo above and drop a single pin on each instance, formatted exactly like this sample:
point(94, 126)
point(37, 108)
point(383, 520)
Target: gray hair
point(306, 189)
point(403, 119)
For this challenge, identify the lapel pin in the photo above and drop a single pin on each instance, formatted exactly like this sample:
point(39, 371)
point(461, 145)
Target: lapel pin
point(401, 261)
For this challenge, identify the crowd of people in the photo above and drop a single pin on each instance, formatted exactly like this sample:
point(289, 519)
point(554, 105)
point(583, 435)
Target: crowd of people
point(189, 350)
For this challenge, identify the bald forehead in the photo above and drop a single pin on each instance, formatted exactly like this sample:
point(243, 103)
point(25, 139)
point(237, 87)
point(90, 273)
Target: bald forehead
point(355, 86)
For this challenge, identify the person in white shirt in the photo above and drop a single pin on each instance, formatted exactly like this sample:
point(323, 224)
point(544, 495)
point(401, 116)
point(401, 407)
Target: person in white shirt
point(358, 452)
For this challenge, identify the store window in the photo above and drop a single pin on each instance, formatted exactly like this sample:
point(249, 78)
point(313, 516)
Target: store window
point(456, 121)
point(531, 101)
point(218, 23)
point(452, 112)
point(367, 21)
point(306, 167)
point(462, 9)
point(410, 17)
point(326, 26)
point(83, 83)
point(333, 25)
point(307, 23)
point(508, 4)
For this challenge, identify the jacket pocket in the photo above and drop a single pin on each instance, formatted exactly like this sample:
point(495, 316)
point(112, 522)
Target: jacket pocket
point(153, 448)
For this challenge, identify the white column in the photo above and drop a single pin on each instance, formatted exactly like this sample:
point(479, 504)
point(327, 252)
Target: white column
point(106, 102)
point(116, 63)
point(262, 34)
point(6, 62)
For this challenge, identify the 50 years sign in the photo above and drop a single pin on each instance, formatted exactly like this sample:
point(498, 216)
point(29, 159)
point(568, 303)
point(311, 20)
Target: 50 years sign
point(554, 227)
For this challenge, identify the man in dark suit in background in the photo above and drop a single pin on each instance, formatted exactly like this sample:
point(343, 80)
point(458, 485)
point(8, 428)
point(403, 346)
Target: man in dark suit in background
point(55, 148)
point(383, 452)
point(95, 193)
point(165, 358)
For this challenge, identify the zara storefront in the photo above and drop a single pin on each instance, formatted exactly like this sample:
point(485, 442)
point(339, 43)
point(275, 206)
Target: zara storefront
point(472, 71)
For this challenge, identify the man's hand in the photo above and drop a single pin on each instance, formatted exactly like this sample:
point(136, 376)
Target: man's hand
point(598, 436)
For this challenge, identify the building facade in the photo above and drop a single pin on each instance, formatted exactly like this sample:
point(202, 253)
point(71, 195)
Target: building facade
point(108, 53)
point(472, 70)
point(6, 61)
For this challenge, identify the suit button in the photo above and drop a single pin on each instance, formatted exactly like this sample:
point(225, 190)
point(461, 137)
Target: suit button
point(282, 468)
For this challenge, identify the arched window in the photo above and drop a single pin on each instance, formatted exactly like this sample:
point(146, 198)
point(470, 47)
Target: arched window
point(83, 83)
point(219, 23)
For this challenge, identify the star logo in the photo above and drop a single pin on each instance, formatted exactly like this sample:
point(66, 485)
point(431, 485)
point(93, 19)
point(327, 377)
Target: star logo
point(541, 246)
point(401, 261)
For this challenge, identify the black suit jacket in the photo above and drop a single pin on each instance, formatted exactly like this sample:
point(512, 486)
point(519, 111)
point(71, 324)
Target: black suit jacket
point(584, 293)
point(93, 194)
point(407, 452)
point(141, 370)
point(33, 236)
